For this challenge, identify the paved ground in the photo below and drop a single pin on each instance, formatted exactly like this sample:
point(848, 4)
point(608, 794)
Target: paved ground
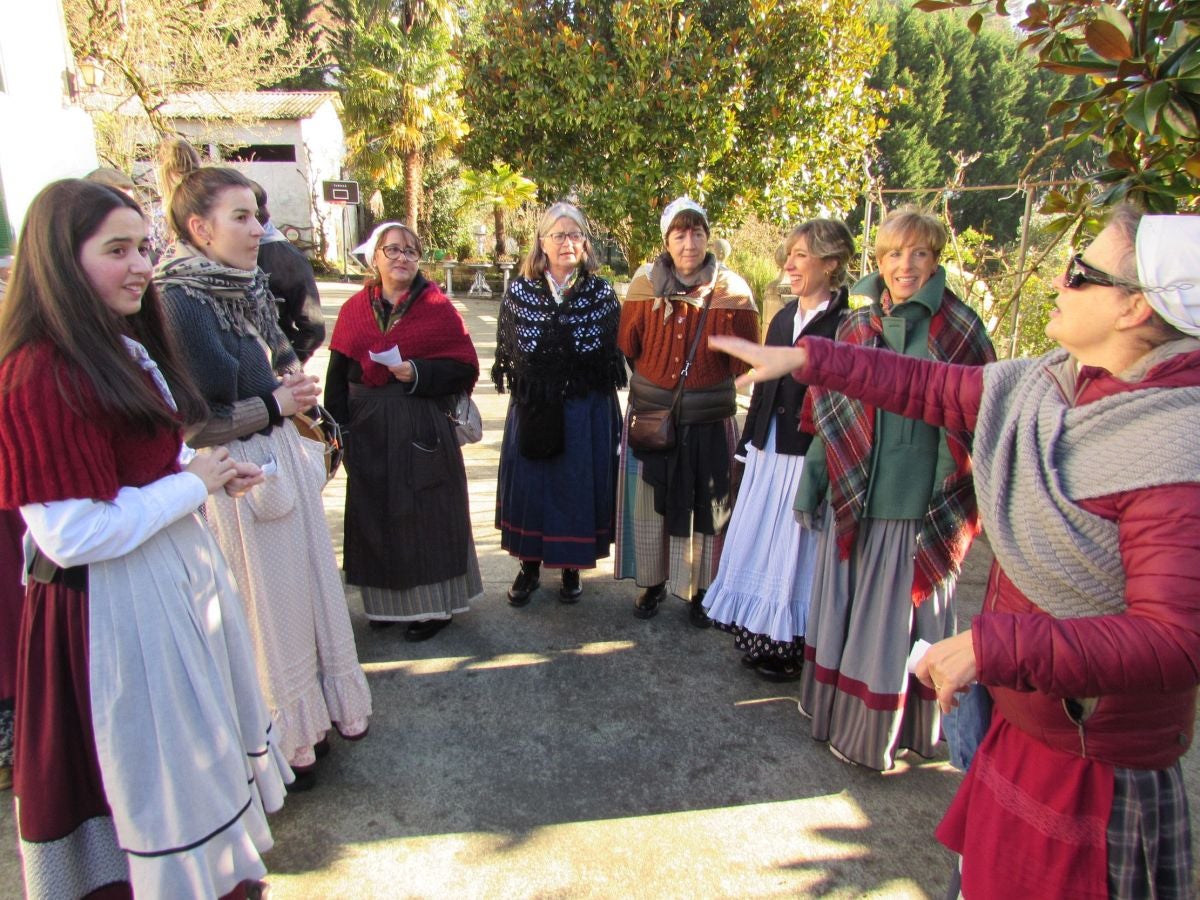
point(573, 751)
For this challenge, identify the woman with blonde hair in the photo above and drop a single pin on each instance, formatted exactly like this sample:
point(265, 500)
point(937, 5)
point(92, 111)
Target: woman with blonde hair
point(762, 590)
point(899, 511)
point(556, 352)
point(1089, 639)
point(224, 319)
point(408, 543)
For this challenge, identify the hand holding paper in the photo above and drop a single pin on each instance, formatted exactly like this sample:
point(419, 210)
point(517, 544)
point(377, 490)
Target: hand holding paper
point(390, 357)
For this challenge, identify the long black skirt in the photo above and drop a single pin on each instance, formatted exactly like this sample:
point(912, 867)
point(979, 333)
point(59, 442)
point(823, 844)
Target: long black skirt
point(408, 520)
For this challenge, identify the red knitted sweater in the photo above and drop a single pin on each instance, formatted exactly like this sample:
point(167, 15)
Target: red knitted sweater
point(658, 348)
point(52, 449)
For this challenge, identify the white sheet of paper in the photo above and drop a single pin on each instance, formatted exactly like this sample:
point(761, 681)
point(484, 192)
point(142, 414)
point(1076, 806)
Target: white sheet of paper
point(919, 648)
point(390, 357)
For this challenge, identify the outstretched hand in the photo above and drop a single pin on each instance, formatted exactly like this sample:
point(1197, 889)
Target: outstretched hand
point(767, 363)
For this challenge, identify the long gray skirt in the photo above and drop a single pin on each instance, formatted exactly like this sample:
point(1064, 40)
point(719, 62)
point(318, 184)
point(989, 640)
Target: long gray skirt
point(861, 628)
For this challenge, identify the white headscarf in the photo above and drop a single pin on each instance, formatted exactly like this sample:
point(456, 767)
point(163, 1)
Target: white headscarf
point(365, 252)
point(674, 208)
point(1168, 262)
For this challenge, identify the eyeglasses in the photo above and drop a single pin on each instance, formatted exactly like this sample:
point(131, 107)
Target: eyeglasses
point(558, 237)
point(395, 251)
point(1080, 273)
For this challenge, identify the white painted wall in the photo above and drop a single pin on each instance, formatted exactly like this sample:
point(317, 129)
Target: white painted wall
point(291, 187)
point(44, 136)
point(325, 146)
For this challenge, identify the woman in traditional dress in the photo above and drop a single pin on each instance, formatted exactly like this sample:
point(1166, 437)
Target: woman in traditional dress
point(763, 588)
point(145, 757)
point(673, 505)
point(556, 351)
point(1089, 640)
point(899, 512)
point(276, 540)
point(12, 598)
point(399, 356)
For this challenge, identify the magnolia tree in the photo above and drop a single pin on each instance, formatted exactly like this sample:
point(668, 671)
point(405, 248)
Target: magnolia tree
point(1141, 59)
point(747, 105)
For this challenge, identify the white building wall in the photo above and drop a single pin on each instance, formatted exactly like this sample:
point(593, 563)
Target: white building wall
point(43, 135)
point(325, 147)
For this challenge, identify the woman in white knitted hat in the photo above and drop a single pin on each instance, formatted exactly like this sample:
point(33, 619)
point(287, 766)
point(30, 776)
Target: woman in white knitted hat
point(1088, 482)
point(673, 501)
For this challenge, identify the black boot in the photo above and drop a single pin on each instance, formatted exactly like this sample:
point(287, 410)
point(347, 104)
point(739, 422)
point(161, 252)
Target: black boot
point(526, 583)
point(696, 615)
point(571, 588)
point(646, 606)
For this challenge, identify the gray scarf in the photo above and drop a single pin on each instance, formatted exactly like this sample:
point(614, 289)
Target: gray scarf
point(1037, 455)
point(239, 298)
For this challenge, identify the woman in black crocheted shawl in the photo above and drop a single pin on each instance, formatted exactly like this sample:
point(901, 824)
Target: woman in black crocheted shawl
point(556, 352)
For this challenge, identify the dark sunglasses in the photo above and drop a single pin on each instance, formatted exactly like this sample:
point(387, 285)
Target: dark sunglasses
point(1080, 273)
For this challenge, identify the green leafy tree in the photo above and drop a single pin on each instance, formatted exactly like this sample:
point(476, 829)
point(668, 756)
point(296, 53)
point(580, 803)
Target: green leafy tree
point(400, 89)
point(501, 188)
point(984, 101)
point(301, 19)
point(1141, 59)
point(748, 105)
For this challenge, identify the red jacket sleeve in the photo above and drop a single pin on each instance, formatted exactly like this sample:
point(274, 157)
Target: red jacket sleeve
point(940, 394)
point(1153, 646)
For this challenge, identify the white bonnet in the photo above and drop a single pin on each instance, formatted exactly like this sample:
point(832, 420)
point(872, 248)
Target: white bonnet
point(1168, 262)
point(674, 208)
point(365, 251)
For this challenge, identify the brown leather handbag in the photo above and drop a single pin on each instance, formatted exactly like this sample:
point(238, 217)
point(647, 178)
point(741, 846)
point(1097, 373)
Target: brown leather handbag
point(653, 430)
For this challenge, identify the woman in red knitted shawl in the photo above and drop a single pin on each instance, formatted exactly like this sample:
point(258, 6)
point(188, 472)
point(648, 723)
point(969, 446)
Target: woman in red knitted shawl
point(400, 354)
point(144, 759)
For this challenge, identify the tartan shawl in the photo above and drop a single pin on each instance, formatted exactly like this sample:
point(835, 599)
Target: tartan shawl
point(956, 335)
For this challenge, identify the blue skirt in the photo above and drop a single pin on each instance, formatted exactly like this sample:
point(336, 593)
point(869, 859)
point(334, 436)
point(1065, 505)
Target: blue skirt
point(561, 510)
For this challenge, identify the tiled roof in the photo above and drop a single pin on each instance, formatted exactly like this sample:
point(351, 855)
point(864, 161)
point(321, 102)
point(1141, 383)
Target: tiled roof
point(223, 105)
point(254, 105)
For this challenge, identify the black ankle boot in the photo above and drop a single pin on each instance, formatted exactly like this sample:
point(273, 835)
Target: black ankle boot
point(696, 615)
point(646, 606)
point(526, 583)
point(571, 588)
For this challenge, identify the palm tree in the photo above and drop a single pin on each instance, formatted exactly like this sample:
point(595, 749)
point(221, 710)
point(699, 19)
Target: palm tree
point(503, 188)
point(400, 89)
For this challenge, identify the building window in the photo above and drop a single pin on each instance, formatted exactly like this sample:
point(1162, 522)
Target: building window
point(260, 153)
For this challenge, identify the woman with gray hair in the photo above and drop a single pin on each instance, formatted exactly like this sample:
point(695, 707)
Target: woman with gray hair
point(399, 356)
point(762, 591)
point(1089, 640)
point(556, 352)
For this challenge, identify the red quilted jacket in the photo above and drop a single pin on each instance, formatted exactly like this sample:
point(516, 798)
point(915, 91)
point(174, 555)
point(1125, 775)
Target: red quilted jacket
point(1144, 664)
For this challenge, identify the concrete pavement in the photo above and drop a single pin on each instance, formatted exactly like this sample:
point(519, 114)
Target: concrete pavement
point(575, 751)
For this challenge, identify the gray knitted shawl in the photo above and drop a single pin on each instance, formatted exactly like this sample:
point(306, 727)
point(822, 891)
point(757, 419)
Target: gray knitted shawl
point(1037, 455)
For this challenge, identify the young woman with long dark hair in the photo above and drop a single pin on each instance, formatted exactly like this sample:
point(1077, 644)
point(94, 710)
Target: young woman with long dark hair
point(145, 759)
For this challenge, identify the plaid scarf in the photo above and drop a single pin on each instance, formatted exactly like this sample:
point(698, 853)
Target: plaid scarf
point(848, 429)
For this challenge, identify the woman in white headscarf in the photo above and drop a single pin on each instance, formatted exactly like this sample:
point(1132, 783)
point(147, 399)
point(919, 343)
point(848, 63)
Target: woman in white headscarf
point(1088, 484)
point(673, 504)
point(399, 356)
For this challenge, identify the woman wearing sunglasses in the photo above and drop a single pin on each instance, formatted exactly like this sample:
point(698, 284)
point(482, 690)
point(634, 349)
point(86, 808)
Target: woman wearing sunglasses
point(1089, 643)
point(399, 356)
point(556, 352)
